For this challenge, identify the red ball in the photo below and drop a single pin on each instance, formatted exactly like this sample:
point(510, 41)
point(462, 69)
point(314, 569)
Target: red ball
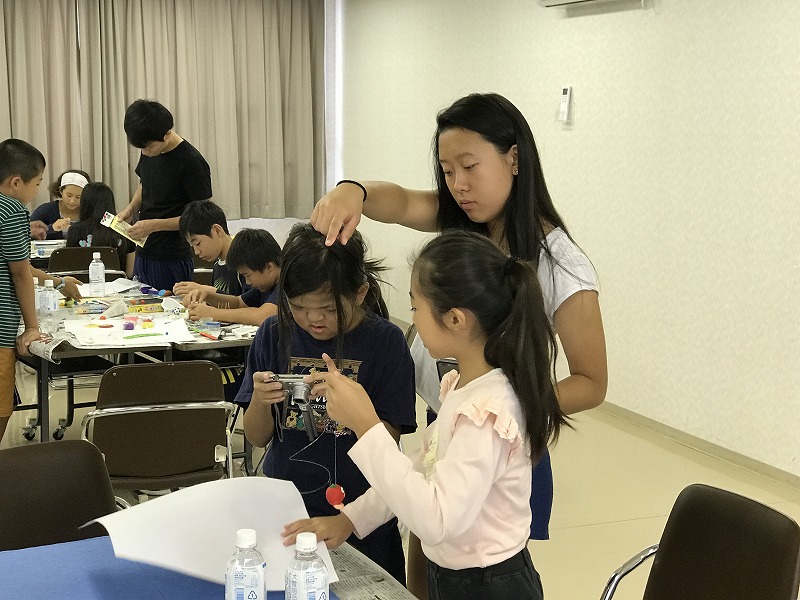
point(334, 494)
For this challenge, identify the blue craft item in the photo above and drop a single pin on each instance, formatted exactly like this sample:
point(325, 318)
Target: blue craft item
point(127, 326)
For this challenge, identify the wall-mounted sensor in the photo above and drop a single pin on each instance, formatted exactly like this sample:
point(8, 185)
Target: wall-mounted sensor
point(565, 107)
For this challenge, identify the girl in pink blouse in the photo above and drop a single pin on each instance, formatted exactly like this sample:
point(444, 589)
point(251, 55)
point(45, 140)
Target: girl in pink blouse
point(467, 495)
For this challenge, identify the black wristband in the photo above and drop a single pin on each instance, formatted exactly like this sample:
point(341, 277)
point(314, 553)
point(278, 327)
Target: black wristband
point(363, 189)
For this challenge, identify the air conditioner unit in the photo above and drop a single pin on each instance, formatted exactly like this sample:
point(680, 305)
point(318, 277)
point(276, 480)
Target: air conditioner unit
point(567, 3)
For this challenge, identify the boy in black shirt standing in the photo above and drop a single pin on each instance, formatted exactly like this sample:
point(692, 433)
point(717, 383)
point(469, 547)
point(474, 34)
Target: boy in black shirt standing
point(171, 173)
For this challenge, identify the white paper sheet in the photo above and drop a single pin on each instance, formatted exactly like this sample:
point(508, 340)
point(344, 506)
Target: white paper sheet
point(165, 331)
point(112, 287)
point(193, 530)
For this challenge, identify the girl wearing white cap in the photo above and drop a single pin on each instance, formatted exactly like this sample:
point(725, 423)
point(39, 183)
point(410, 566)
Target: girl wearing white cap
point(66, 192)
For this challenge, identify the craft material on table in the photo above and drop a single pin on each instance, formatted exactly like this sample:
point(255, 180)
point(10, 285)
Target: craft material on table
point(97, 333)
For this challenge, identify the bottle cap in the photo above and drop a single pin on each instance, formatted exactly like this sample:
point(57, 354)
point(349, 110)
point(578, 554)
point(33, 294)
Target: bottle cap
point(95, 255)
point(306, 542)
point(246, 538)
point(48, 283)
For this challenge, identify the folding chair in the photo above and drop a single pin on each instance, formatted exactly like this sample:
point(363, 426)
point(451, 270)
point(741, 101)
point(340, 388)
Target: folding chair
point(718, 545)
point(162, 425)
point(74, 261)
point(49, 491)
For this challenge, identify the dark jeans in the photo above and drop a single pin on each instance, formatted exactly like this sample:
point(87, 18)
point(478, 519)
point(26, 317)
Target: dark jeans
point(513, 578)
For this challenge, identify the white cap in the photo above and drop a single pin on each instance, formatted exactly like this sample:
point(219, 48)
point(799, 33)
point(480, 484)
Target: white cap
point(72, 178)
point(246, 538)
point(306, 542)
point(48, 283)
point(95, 255)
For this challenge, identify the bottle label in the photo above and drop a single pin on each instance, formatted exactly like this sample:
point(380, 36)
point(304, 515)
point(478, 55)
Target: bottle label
point(306, 585)
point(246, 584)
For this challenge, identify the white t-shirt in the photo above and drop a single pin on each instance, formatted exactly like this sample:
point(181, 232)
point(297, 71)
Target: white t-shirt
point(567, 272)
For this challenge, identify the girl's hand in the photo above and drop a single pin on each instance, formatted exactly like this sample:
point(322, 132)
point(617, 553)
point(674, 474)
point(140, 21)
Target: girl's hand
point(338, 213)
point(332, 530)
point(61, 225)
point(265, 390)
point(347, 402)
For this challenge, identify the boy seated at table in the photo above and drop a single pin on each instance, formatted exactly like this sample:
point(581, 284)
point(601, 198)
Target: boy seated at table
point(253, 255)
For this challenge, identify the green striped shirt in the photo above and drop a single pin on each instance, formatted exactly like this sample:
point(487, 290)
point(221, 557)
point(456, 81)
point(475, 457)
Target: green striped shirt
point(15, 245)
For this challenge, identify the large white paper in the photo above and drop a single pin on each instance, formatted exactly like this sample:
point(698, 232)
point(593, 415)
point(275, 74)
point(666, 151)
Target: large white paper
point(193, 530)
point(165, 331)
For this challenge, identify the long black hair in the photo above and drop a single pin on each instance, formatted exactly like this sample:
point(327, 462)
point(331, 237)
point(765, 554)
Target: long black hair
point(461, 269)
point(501, 124)
point(96, 200)
point(308, 266)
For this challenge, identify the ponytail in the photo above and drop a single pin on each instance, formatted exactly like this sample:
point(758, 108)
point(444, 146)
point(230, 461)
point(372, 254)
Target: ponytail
point(524, 346)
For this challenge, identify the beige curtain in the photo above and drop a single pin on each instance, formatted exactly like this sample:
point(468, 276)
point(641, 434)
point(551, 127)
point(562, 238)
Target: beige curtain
point(39, 81)
point(243, 78)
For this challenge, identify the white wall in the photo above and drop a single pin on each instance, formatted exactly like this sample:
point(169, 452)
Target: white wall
point(678, 178)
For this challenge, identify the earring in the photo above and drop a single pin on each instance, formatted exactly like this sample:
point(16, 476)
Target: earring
point(515, 171)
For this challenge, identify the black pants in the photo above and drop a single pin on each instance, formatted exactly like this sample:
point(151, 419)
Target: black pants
point(514, 578)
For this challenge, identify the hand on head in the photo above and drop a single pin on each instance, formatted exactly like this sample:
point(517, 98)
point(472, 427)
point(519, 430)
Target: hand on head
point(338, 213)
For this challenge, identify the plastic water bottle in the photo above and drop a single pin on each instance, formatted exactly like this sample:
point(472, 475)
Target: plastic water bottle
point(48, 305)
point(244, 575)
point(97, 276)
point(306, 575)
point(37, 297)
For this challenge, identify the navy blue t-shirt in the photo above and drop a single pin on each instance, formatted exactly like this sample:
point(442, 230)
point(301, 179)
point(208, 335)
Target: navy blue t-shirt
point(376, 355)
point(255, 297)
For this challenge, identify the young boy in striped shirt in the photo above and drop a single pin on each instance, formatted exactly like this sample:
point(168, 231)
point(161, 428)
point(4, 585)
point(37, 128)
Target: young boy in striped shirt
point(21, 169)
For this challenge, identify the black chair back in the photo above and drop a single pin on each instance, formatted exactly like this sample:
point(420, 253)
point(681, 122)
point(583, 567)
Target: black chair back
point(148, 445)
point(77, 258)
point(49, 491)
point(718, 545)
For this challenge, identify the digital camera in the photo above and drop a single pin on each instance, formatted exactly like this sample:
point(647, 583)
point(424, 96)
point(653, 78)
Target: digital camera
point(297, 394)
